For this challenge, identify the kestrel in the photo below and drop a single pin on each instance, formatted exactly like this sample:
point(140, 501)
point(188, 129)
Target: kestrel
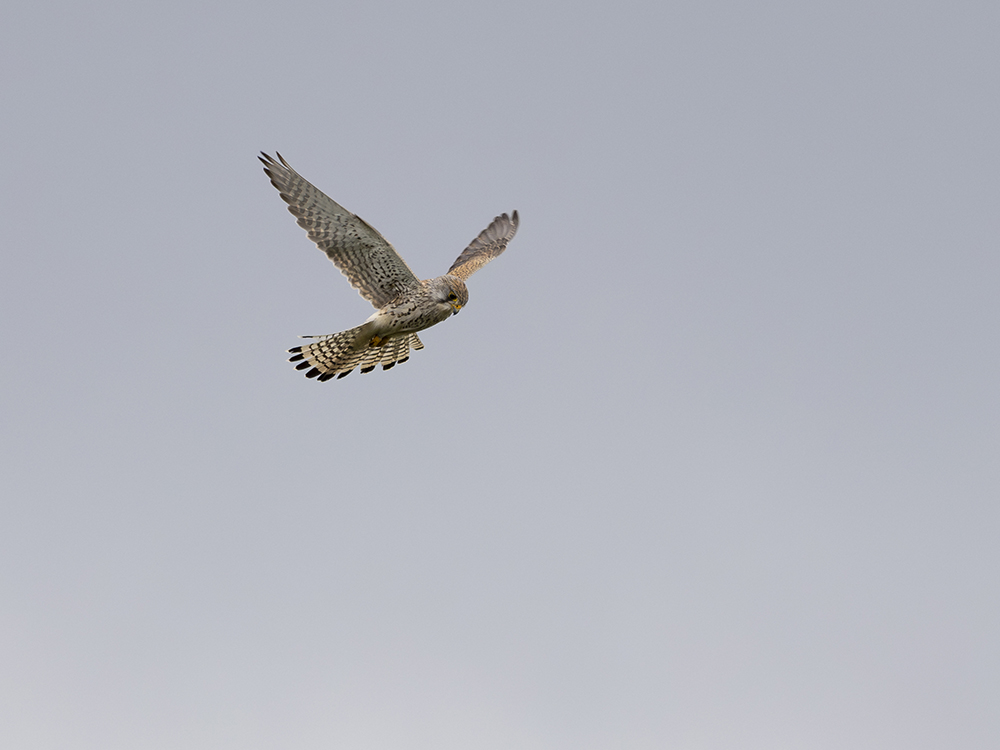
point(404, 303)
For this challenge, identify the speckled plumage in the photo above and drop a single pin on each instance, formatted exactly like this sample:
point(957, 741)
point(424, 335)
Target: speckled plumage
point(405, 304)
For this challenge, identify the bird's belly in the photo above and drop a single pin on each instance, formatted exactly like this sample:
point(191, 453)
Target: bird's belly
point(389, 322)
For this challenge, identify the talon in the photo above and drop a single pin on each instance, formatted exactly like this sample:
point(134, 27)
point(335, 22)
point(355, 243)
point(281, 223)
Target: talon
point(376, 341)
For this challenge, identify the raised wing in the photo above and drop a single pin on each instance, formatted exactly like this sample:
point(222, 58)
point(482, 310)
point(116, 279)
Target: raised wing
point(363, 255)
point(489, 244)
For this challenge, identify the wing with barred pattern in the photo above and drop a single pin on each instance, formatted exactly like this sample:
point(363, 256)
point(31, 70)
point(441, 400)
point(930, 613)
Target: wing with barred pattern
point(489, 244)
point(363, 255)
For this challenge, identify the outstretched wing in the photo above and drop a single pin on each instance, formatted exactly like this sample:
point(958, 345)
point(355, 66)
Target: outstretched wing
point(363, 255)
point(489, 244)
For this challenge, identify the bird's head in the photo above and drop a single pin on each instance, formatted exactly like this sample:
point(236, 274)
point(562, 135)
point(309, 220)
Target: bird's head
point(451, 291)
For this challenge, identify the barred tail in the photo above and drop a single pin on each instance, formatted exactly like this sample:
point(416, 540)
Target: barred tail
point(337, 354)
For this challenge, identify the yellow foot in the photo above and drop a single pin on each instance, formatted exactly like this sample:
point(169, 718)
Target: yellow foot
point(377, 341)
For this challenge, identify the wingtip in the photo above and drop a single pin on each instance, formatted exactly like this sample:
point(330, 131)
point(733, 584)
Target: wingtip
point(270, 161)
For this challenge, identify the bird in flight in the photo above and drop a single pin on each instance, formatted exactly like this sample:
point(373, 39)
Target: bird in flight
point(404, 304)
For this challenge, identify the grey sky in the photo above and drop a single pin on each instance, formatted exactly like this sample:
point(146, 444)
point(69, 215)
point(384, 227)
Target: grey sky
point(710, 460)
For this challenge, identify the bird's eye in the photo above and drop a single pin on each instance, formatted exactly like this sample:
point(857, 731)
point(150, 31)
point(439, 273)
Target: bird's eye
point(452, 297)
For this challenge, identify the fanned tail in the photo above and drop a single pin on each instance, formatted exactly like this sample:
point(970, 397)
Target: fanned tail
point(337, 354)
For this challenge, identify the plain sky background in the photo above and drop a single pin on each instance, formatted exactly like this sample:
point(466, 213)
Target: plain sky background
point(710, 460)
